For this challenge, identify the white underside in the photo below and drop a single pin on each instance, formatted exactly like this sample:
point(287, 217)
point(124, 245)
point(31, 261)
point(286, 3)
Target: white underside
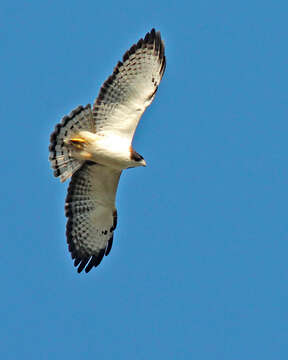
point(109, 150)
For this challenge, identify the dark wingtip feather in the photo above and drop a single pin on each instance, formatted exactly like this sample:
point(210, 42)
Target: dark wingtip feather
point(90, 265)
point(95, 260)
point(82, 265)
point(109, 246)
point(77, 261)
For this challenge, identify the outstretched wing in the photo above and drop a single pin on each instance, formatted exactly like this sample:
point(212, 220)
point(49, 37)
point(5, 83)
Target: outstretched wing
point(92, 216)
point(125, 95)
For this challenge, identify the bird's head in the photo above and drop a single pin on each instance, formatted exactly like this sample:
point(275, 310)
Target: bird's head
point(137, 158)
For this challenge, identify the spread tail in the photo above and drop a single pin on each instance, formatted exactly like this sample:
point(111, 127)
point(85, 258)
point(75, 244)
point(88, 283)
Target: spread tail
point(63, 164)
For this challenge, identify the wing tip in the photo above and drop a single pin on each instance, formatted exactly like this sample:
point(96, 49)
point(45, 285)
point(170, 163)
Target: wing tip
point(109, 246)
point(88, 262)
point(152, 37)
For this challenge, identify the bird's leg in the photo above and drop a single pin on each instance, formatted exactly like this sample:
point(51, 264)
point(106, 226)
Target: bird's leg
point(78, 147)
point(77, 142)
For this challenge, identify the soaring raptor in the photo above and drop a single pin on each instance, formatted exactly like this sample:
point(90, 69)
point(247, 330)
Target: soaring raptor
point(94, 145)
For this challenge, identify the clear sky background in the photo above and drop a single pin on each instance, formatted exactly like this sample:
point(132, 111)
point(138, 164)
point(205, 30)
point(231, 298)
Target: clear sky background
point(198, 268)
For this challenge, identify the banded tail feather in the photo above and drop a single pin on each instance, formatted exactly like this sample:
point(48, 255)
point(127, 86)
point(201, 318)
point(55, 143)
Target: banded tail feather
point(62, 163)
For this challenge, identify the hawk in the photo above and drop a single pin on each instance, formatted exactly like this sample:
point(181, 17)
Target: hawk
point(94, 145)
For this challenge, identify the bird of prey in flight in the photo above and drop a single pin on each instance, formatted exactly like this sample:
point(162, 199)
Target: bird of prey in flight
point(93, 145)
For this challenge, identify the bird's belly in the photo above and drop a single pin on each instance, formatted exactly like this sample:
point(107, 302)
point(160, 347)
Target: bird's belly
point(112, 151)
point(113, 156)
point(114, 160)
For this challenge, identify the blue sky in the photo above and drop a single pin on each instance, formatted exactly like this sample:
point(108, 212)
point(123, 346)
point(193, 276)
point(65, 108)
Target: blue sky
point(198, 268)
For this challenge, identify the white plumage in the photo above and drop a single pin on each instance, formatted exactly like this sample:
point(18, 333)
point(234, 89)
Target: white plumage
point(94, 146)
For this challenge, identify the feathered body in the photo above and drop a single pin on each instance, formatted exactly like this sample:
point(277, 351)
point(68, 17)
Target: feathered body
point(95, 145)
